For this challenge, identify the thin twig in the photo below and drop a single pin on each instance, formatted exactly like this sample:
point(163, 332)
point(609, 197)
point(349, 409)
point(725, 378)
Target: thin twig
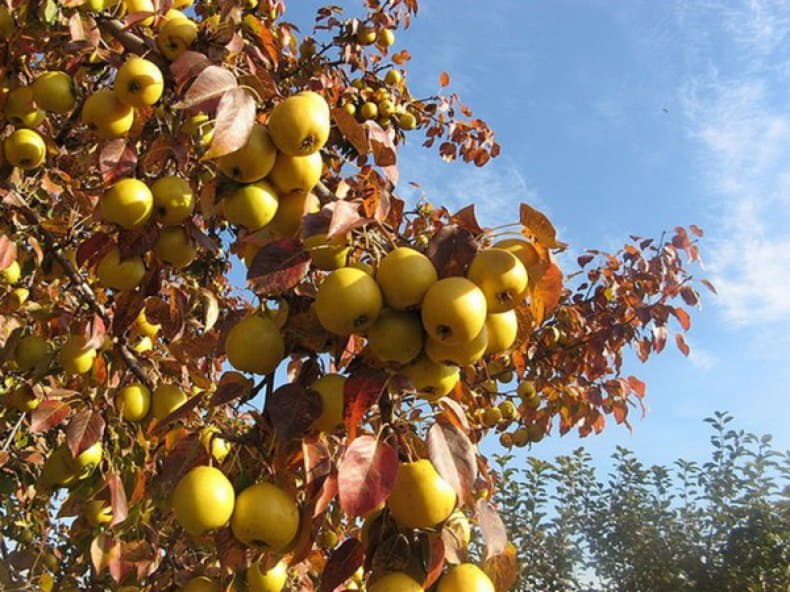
point(18, 424)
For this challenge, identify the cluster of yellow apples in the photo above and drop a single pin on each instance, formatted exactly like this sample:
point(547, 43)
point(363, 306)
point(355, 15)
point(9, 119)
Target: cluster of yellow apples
point(385, 100)
point(266, 516)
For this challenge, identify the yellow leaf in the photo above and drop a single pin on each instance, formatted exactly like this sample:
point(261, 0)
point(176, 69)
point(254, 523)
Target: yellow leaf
point(537, 223)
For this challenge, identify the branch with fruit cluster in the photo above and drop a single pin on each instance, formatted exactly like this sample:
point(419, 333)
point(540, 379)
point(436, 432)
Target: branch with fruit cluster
point(317, 428)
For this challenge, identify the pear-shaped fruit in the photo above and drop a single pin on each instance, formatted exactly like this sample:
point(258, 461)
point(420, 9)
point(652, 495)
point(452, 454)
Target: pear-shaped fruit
point(465, 577)
point(31, 351)
point(139, 6)
point(25, 149)
point(87, 460)
point(12, 273)
point(431, 379)
point(369, 110)
point(366, 35)
point(461, 354)
point(139, 83)
point(502, 329)
point(265, 515)
point(203, 500)
point(300, 124)
point(166, 399)
point(21, 109)
point(420, 497)
point(54, 92)
point(74, 357)
point(175, 36)
point(252, 206)
point(330, 388)
point(255, 344)
point(266, 580)
point(385, 38)
point(396, 336)
point(395, 582)
point(407, 121)
point(128, 203)
point(106, 115)
point(405, 276)
point(253, 161)
point(348, 301)
point(296, 173)
point(523, 249)
point(174, 247)
point(144, 327)
point(133, 402)
point(501, 277)
point(291, 209)
point(120, 275)
point(327, 254)
point(173, 198)
point(98, 512)
point(454, 311)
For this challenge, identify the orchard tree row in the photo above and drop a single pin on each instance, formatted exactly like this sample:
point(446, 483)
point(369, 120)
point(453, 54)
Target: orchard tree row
point(316, 429)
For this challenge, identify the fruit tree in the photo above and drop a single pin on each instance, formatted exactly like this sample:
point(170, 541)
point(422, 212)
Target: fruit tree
point(315, 429)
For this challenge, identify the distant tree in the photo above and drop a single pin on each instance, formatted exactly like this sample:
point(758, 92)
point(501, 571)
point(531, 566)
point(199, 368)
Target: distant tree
point(721, 525)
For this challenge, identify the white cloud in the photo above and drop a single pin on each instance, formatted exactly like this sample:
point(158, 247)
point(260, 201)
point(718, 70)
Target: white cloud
point(742, 123)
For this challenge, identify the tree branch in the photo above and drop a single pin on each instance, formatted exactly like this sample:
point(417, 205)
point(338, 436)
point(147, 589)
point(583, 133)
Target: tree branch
point(129, 40)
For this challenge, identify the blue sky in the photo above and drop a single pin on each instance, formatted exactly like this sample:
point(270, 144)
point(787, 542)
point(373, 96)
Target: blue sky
point(621, 118)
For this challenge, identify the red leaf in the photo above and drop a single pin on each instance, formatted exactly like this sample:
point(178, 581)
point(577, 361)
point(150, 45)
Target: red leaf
point(434, 560)
point(188, 65)
point(361, 391)
point(211, 83)
point(163, 425)
point(84, 430)
point(234, 122)
point(659, 338)
point(117, 159)
point(366, 475)
point(342, 564)
point(120, 508)
point(293, 409)
point(451, 250)
point(453, 455)
point(127, 307)
point(546, 293)
point(492, 527)
point(620, 411)
point(265, 37)
point(696, 230)
point(709, 286)
point(444, 79)
point(689, 296)
point(345, 217)
point(95, 332)
point(351, 129)
point(231, 386)
point(384, 153)
point(278, 267)
point(186, 454)
point(94, 248)
point(106, 553)
point(48, 414)
point(7, 251)
point(637, 386)
point(683, 317)
point(682, 345)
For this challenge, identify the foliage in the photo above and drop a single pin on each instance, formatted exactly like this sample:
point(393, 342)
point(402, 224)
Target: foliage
point(134, 188)
point(718, 525)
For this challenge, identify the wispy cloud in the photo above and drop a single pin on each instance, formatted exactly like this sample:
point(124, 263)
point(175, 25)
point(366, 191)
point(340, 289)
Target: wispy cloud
point(741, 122)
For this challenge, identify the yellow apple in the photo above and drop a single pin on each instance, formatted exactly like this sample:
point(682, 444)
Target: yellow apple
point(21, 109)
point(174, 247)
point(54, 92)
point(139, 83)
point(107, 116)
point(25, 149)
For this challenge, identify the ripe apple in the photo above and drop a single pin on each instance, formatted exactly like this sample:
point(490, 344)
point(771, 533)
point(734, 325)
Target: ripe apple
point(25, 149)
point(139, 83)
point(175, 36)
point(21, 109)
point(54, 92)
point(106, 115)
point(128, 203)
point(174, 199)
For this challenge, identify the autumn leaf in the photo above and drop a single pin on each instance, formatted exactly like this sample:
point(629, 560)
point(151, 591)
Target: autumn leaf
point(502, 569)
point(540, 226)
point(48, 414)
point(118, 503)
point(117, 159)
point(444, 79)
point(351, 129)
point(546, 293)
point(211, 83)
point(293, 409)
point(451, 250)
point(361, 391)
point(342, 564)
point(492, 527)
point(453, 455)
point(84, 430)
point(366, 475)
point(278, 267)
point(234, 122)
point(7, 251)
point(231, 386)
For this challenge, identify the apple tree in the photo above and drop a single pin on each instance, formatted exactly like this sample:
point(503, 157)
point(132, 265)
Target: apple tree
point(314, 428)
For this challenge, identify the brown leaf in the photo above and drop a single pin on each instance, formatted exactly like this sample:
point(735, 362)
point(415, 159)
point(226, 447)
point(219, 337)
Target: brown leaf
point(84, 430)
point(186, 454)
point(453, 455)
point(361, 391)
point(466, 218)
point(7, 251)
point(546, 293)
point(94, 248)
point(540, 226)
point(434, 558)
point(709, 286)
point(444, 79)
point(366, 475)
point(106, 553)
point(265, 36)
point(682, 345)
point(211, 83)
point(117, 159)
point(502, 569)
point(95, 332)
point(231, 386)
point(342, 564)
point(452, 249)
point(293, 409)
point(181, 412)
point(188, 65)
point(492, 527)
point(127, 307)
point(210, 309)
point(120, 507)
point(234, 122)
point(48, 414)
point(352, 130)
point(381, 141)
point(345, 217)
point(278, 266)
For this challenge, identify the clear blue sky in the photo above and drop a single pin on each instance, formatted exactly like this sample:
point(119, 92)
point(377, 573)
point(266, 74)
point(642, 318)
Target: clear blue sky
point(621, 118)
